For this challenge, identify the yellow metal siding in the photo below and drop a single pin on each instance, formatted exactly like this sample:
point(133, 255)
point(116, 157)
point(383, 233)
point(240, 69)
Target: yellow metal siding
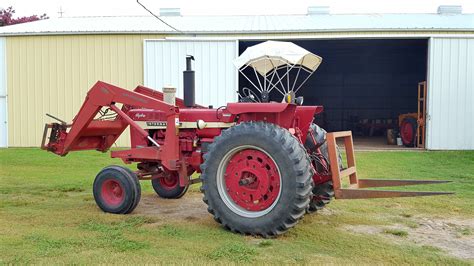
point(52, 74)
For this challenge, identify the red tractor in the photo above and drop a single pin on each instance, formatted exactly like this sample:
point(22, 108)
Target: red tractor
point(412, 125)
point(262, 164)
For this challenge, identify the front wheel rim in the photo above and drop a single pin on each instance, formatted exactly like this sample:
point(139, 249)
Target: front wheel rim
point(249, 181)
point(112, 192)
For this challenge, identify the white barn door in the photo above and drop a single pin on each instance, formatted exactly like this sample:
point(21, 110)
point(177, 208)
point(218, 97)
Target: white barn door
point(3, 95)
point(216, 76)
point(450, 105)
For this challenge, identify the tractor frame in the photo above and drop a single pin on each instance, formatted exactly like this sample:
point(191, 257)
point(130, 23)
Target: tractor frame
point(260, 163)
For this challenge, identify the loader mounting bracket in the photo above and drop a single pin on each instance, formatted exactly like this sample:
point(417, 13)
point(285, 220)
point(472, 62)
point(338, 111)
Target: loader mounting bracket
point(54, 136)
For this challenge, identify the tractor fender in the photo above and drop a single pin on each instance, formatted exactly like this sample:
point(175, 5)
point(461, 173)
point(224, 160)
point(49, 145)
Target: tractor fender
point(286, 113)
point(241, 108)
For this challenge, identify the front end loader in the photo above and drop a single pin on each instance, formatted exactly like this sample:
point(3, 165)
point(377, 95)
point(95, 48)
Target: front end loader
point(263, 164)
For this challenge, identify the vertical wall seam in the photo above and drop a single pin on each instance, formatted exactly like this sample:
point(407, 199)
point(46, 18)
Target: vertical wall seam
point(4, 137)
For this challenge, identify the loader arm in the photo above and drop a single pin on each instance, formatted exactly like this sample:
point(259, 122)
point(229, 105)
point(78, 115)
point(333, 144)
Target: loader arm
point(86, 133)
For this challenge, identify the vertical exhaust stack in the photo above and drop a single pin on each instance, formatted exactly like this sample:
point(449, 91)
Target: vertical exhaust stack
point(188, 83)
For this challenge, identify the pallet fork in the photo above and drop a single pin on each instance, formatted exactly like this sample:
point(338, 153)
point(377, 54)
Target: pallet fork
point(356, 186)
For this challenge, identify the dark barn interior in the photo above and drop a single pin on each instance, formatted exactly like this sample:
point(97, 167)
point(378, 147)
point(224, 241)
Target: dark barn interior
point(363, 84)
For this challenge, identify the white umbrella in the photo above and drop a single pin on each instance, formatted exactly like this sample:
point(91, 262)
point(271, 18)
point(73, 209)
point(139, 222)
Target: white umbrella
point(267, 56)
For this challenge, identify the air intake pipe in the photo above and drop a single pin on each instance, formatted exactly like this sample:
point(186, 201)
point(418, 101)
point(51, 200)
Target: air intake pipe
point(188, 83)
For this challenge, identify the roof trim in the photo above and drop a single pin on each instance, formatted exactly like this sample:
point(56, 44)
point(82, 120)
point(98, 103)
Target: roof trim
point(317, 37)
point(229, 25)
point(196, 34)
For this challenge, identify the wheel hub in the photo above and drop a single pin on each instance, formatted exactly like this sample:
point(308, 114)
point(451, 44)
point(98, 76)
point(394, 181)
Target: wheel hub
point(112, 192)
point(169, 181)
point(252, 180)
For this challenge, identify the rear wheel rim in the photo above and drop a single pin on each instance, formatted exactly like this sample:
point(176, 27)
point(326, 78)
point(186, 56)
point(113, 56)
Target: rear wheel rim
point(407, 132)
point(112, 192)
point(249, 181)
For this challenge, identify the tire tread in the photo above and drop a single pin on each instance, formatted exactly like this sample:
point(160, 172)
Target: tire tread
point(301, 167)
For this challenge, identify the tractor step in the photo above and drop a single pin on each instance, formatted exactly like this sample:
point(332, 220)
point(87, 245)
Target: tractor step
point(355, 190)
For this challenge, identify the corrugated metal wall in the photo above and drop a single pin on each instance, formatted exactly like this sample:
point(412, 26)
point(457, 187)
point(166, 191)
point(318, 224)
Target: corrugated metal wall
point(3, 95)
point(52, 74)
point(451, 94)
point(216, 76)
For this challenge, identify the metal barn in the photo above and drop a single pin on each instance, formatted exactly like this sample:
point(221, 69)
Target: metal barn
point(371, 65)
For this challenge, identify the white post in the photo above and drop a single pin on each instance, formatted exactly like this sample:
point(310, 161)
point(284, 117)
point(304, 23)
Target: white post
point(169, 94)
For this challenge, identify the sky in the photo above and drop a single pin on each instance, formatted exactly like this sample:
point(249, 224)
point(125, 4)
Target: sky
point(212, 7)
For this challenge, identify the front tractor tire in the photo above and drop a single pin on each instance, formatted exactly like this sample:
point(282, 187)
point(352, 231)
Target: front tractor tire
point(168, 187)
point(117, 190)
point(256, 179)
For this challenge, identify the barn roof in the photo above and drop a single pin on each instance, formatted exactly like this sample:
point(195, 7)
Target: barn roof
point(245, 24)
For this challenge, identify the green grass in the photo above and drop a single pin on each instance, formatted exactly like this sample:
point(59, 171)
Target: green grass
point(464, 231)
point(396, 232)
point(48, 215)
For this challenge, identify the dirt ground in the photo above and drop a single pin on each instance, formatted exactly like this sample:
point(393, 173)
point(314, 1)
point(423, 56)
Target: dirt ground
point(190, 208)
point(453, 236)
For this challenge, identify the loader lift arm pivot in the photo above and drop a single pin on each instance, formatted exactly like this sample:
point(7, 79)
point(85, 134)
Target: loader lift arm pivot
point(85, 133)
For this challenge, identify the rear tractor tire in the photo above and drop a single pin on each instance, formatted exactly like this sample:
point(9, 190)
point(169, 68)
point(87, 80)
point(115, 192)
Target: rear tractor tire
point(322, 193)
point(117, 190)
point(256, 179)
point(168, 187)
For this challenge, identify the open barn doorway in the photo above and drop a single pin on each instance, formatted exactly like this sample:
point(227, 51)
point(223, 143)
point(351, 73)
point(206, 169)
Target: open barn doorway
point(363, 84)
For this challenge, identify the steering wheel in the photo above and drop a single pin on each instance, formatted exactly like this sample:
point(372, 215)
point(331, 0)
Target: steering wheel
point(250, 95)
